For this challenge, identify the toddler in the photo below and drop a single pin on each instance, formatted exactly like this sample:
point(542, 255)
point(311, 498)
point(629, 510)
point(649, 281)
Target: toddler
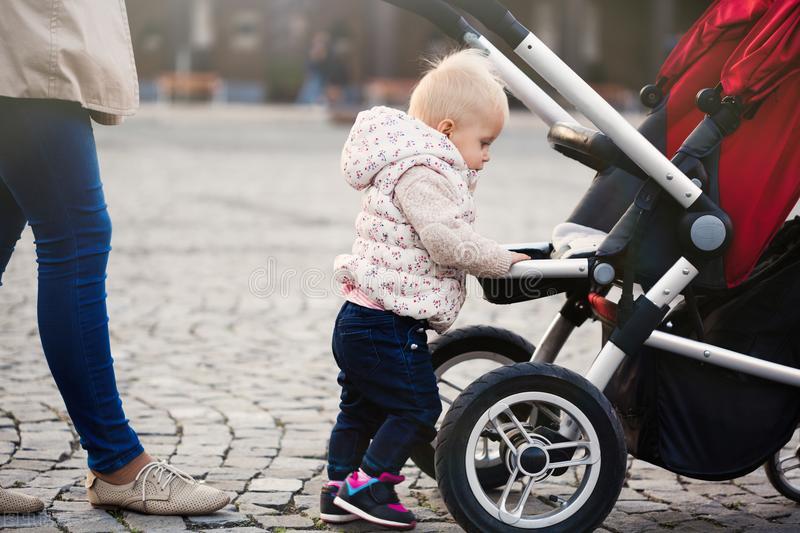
point(414, 246)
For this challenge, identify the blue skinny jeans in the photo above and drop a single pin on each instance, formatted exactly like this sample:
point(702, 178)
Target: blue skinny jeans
point(50, 179)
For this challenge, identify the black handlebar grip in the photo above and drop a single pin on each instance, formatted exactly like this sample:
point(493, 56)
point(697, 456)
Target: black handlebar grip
point(440, 14)
point(497, 18)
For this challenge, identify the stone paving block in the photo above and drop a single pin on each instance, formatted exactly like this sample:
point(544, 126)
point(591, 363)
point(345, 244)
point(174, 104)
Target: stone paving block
point(234, 530)
point(95, 521)
point(58, 478)
point(294, 467)
point(267, 441)
point(304, 502)
point(234, 486)
point(72, 463)
point(70, 506)
point(257, 510)
point(43, 529)
point(444, 527)
point(791, 518)
point(55, 454)
point(266, 499)
point(162, 524)
point(640, 506)
point(272, 484)
point(700, 526)
point(10, 477)
point(229, 516)
point(230, 473)
point(254, 463)
point(285, 521)
point(33, 415)
point(9, 434)
point(617, 520)
point(235, 452)
point(25, 521)
point(23, 464)
point(77, 493)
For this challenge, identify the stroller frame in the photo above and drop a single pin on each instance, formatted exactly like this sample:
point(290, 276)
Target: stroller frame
point(646, 156)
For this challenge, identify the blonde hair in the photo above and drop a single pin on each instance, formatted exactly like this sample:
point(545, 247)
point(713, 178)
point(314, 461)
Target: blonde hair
point(459, 85)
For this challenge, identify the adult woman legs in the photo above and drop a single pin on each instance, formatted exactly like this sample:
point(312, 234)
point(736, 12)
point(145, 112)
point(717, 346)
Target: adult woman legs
point(50, 178)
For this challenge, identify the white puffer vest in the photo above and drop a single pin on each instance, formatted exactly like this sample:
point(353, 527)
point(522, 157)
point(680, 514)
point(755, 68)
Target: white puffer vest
point(388, 261)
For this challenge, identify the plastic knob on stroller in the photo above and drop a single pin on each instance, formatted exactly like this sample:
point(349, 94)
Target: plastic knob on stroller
point(708, 101)
point(651, 95)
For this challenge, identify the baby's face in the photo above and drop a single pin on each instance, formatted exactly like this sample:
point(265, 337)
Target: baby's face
point(473, 138)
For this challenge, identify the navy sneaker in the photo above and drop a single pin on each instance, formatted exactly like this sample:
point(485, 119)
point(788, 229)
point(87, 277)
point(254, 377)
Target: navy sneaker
point(328, 512)
point(375, 500)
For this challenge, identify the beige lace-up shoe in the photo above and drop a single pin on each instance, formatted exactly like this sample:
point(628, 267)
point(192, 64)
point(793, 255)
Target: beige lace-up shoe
point(160, 489)
point(16, 503)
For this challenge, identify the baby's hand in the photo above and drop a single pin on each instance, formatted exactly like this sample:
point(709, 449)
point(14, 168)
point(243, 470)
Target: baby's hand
point(517, 257)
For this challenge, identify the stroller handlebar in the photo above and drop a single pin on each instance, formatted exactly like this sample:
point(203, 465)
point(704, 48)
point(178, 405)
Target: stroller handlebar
point(440, 14)
point(496, 17)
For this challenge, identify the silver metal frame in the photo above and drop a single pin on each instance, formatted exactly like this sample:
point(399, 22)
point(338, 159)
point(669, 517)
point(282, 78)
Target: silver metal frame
point(520, 85)
point(663, 293)
point(625, 136)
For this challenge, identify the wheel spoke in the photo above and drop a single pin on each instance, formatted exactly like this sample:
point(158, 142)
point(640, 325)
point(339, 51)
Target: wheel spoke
point(569, 444)
point(789, 463)
point(503, 435)
point(588, 460)
point(501, 503)
point(534, 415)
point(519, 425)
point(523, 498)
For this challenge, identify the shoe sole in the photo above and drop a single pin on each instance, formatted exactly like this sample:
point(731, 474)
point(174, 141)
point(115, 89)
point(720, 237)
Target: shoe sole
point(338, 518)
point(369, 518)
point(106, 507)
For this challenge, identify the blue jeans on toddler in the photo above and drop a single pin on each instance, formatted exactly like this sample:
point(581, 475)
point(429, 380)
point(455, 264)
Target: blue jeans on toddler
point(389, 392)
point(50, 179)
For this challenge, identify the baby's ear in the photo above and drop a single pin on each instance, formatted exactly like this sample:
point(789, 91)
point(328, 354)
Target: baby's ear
point(446, 126)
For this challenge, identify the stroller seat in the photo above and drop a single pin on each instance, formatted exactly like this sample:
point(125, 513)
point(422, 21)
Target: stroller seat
point(571, 240)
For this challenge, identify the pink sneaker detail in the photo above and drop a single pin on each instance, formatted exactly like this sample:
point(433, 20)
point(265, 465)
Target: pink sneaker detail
point(358, 478)
point(386, 477)
point(337, 484)
point(397, 507)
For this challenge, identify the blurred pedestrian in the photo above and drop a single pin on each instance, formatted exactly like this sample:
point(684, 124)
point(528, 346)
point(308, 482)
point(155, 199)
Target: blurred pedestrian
point(313, 88)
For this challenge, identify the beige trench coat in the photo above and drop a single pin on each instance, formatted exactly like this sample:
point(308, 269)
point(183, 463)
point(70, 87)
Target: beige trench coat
point(74, 50)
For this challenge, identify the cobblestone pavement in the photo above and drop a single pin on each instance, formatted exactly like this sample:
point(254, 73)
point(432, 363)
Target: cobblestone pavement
point(225, 224)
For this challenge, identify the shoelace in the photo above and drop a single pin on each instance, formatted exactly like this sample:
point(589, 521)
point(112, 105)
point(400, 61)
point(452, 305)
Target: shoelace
point(161, 468)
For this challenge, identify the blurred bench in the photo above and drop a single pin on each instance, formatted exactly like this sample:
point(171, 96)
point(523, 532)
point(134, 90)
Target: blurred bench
point(192, 86)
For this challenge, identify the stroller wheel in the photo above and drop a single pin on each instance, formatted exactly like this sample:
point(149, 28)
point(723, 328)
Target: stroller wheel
point(783, 469)
point(459, 357)
point(561, 477)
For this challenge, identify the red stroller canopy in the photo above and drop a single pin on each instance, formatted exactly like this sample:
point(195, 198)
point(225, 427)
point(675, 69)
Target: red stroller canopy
point(751, 47)
point(768, 50)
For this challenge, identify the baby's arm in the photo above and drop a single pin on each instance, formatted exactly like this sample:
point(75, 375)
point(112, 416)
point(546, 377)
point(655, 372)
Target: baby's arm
point(429, 203)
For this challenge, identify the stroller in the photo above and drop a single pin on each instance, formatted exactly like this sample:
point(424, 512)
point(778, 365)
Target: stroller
point(699, 373)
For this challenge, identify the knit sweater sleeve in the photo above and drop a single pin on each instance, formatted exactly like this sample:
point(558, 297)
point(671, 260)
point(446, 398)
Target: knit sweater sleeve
point(430, 205)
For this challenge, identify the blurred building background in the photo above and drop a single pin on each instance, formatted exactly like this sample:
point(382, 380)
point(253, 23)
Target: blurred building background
point(366, 51)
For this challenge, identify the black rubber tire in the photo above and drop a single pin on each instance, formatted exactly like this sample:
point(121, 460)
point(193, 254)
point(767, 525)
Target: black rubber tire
point(471, 339)
point(771, 469)
point(485, 392)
